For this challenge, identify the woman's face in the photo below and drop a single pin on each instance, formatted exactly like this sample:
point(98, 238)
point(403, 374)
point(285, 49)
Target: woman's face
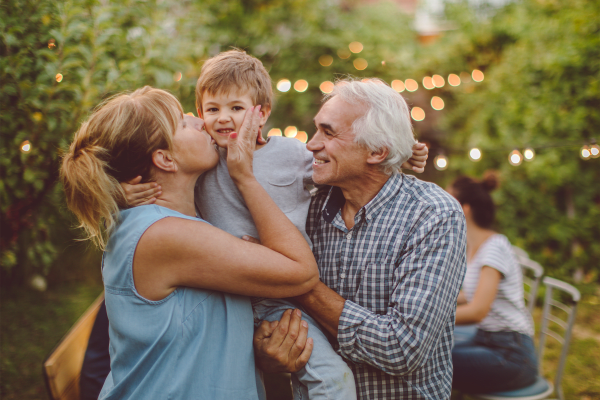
point(195, 150)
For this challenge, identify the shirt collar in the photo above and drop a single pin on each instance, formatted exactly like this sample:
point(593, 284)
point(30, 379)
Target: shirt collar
point(335, 200)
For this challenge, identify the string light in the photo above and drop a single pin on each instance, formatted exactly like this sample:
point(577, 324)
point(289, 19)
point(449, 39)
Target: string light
point(284, 85)
point(301, 85)
point(437, 103)
point(477, 75)
point(326, 87)
point(453, 80)
point(51, 43)
point(398, 86)
point(326, 60)
point(428, 83)
point(290, 131)
point(274, 132)
point(417, 114)
point(25, 147)
point(586, 152)
point(59, 78)
point(411, 85)
point(529, 154)
point(177, 77)
point(438, 81)
point(475, 154)
point(515, 157)
point(356, 47)
point(302, 136)
point(594, 151)
point(343, 54)
point(360, 64)
point(440, 162)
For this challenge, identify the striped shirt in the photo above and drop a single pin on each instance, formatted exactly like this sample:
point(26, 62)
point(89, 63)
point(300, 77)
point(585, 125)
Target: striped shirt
point(400, 269)
point(508, 311)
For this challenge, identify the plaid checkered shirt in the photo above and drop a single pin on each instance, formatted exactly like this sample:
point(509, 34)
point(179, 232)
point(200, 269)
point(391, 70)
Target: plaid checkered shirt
point(400, 269)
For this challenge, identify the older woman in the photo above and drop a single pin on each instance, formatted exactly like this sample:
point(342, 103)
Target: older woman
point(180, 323)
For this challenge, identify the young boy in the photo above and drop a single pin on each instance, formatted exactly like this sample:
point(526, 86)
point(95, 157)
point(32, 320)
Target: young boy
point(229, 84)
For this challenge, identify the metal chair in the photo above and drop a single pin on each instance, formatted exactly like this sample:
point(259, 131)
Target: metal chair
point(542, 388)
point(532, 275)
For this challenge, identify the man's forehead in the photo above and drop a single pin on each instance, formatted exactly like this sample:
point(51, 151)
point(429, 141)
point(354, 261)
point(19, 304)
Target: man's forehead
point(336, 111)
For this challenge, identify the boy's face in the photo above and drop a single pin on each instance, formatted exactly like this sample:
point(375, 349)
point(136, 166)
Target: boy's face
point(224, 113)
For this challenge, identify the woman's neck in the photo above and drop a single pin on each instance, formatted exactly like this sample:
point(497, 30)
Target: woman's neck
point(476, 236)
point(177, 193)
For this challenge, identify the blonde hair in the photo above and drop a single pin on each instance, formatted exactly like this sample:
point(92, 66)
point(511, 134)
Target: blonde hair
point(235, 70)
point(115, 145)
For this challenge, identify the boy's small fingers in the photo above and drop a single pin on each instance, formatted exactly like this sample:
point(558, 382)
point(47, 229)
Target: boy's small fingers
point(149, 201)
point(135, 180)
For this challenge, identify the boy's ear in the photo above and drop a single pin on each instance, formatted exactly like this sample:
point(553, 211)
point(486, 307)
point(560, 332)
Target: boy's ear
point(163, 160)
point(266, 114)
point(379, 156)
point(199, 112)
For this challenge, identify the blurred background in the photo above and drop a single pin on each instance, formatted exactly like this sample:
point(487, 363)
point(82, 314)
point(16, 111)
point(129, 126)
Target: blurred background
point(512, 86)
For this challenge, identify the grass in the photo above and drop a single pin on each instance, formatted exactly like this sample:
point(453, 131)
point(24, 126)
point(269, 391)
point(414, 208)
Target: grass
point(32, 323)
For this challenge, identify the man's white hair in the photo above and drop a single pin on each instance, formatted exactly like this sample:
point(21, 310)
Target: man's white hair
point(386, 124)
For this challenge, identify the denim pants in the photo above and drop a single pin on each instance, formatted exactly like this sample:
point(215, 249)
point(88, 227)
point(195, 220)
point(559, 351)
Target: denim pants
point(326, 376)
point(494, 361)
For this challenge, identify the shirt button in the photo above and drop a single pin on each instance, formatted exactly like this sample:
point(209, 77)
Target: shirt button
point(349, 235)
point(343, 275)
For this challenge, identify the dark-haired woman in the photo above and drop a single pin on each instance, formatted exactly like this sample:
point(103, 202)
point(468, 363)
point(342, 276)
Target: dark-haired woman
point(501, 355)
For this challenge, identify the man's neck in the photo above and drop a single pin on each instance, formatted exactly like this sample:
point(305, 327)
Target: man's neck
point(358, 194)
point(178, 194)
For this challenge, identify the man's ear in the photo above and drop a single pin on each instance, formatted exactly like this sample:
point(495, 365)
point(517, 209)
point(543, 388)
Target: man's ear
point(379, 156)
point(163, 160)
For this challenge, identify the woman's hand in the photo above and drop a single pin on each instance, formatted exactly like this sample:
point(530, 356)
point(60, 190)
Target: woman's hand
point(419, 158)
point(139, 194)
point(241, 145)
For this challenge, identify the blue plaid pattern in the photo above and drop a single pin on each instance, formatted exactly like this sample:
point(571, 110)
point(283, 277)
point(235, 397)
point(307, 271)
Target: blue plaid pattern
point(400, 269)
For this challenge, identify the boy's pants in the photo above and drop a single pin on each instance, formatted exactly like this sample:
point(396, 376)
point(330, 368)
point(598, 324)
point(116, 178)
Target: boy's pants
point(326, 375)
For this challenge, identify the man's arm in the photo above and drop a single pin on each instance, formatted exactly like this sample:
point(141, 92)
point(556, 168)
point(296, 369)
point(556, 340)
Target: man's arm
point(324, 305)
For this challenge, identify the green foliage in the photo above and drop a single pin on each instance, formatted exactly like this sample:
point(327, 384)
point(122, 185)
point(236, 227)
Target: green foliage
point(541, 61)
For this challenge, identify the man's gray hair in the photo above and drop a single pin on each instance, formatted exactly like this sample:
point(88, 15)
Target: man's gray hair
point(386, 124)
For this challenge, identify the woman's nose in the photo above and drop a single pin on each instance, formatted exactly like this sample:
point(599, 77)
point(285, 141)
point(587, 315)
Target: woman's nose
point(199, 124)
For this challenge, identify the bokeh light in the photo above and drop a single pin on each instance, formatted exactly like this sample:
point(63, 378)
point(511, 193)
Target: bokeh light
point(475, 154)
point(51, 43)
point(326, 87)
point(177, 77)
point(585, 152)
point(326, 60)
point(59, 77)
point(428, 83)
point(274, 132)
point(25, 146)
point(438, 81)
point(417, 114)
point(529, 154)
point(398, 86)
point(411, 85)
point(191, 114)
point(344, 54)
point(515, 157)
point(440, 162)
point(355, 47)
point(595, 151)
point(290, 131)
point(302, 136)
point(453, 80)
point(360, 64)
point(284, 85)
point(37, 116)
point(477, 75)
point(437, 103)
point(301, 85)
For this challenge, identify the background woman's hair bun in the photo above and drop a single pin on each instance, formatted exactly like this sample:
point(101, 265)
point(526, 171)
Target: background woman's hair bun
point(490, 180)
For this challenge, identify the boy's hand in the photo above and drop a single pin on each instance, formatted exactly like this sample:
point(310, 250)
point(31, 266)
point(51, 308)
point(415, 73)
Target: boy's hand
point(139, 194)
point(419, 158)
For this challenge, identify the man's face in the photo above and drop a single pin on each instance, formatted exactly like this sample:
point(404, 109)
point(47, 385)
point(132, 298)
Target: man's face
point(339, 161)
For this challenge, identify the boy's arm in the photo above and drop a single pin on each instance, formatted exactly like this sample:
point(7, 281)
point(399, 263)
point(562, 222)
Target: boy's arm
point(419, 158)
point(139, 194)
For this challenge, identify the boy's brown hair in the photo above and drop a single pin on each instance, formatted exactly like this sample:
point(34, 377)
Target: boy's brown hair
point(235, 70)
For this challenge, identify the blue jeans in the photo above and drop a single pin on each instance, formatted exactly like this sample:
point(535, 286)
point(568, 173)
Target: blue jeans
point(326, 376)
point(494, 361)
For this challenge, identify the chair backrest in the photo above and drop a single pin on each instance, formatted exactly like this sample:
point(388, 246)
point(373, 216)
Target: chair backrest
point(556, 288)
point(63, 367)
point(532, 275)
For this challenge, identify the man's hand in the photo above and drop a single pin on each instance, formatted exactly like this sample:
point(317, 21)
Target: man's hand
point(139, 194)
point(419, 158)
point(282, 346)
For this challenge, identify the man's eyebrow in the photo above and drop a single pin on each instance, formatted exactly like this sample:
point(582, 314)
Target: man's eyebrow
point(324, 125)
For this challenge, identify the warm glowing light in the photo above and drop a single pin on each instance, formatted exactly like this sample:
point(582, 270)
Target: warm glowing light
point(177, 77)
point(586, 152)
point(477, 75)
point(529, 154)
point(290, 131)
point(343, 54)
point(37, 116)
point(360, 64)
point(440, 162)
point(437, 103)
point(438, 81)
point(515, 157)
point(398, 86)
point(453, 80)
point(595, 151)
point(428, 83)
point(417, 114)
point(475, 154)
point(274, 132)
point(59, 77)
point(51, 43)
point(411, 85)
point(301, 85)
point(465, 77)
point(355, 47)
point(284, 85)
point(383, 63)
point(302, 136)
point(26, 146)
point(326, 87)
point(326, 60)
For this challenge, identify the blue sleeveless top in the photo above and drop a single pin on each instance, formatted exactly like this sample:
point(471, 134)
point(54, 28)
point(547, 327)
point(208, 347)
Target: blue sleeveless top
point(193, 344)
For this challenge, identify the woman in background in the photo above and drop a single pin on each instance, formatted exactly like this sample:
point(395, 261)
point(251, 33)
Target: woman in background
point(501, 355)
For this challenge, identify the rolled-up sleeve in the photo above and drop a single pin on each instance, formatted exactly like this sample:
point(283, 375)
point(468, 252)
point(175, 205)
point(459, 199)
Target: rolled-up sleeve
point(428, 274)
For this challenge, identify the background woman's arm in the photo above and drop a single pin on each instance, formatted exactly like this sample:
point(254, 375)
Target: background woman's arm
point(477, 309)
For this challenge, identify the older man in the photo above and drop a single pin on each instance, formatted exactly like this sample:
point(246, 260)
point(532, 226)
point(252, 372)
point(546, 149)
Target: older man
point(390, 249)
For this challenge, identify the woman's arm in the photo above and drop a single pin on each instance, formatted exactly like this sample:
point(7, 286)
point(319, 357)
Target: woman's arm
point(479, 307)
